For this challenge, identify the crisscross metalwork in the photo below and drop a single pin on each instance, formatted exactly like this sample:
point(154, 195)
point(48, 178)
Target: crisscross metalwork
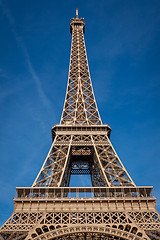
point(80, 106)
point(106, 169)
point(114, 207)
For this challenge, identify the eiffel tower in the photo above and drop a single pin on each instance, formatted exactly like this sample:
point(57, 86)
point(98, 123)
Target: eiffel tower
point(114, 207)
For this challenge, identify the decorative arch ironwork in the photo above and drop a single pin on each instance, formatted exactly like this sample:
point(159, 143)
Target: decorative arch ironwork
point(119, 232)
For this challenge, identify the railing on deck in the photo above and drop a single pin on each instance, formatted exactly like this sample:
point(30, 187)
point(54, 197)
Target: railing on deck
point(83, 192)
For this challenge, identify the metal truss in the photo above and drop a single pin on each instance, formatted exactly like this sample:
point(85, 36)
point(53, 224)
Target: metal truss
point(113, 208)
point(80, 106)
point(115, 213)
point(84, 153)
point(66, 225)
point(25, 221)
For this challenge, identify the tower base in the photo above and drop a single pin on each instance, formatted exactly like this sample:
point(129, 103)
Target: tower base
point(83, 213)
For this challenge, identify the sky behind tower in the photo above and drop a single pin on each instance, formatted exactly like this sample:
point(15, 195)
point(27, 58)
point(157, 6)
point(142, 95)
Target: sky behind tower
point(123, 46)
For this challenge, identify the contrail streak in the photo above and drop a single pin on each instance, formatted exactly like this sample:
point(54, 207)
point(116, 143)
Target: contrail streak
point(31, 70)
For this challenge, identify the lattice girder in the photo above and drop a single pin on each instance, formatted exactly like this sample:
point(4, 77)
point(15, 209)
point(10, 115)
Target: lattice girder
point(80, 105)
point(113, 208)
point(27, 224)
point(106, 168)
point(42, 211)
point(54, 224)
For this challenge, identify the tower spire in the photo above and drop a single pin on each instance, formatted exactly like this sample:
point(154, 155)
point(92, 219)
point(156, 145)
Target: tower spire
point(77, 13)
point(80, 106)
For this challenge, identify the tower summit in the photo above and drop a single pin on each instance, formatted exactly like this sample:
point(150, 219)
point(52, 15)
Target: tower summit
point(77, 13)
point(114, 207)
point(80, 106)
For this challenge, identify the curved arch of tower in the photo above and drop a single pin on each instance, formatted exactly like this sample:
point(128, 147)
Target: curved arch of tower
point(114, 207)
point(125, 232)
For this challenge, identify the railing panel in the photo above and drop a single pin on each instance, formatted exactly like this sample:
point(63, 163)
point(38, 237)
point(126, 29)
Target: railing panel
point(83, 192)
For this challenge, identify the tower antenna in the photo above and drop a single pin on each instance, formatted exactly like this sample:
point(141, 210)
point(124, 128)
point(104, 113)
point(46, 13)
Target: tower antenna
point(76, 12)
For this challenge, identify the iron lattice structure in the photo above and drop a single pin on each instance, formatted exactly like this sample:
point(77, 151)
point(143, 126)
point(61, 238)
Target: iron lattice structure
point(114, 207)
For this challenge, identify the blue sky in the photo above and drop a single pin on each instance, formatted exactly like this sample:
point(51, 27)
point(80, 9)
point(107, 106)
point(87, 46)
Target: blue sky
point(123, 45)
